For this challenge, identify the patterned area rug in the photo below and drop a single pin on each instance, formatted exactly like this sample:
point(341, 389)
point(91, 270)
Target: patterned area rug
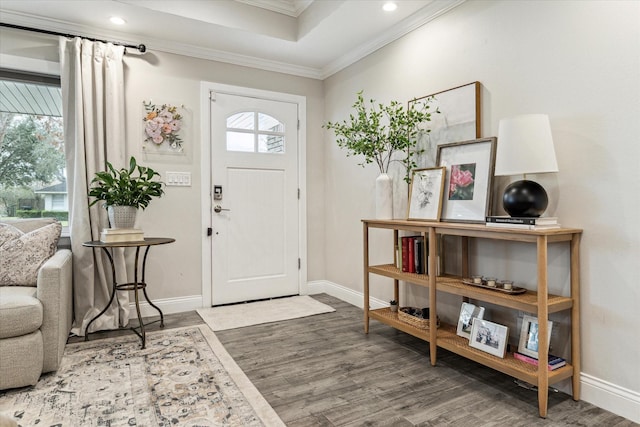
point(184, 377)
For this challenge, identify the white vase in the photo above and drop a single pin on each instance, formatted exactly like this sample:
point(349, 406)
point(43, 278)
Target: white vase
point(384, 197)
point(122, 216)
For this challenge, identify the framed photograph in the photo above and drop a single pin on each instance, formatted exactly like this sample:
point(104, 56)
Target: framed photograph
point(469, 179)
point(458, 119)
point(425, 194)
point(468, 312)
point(489, 337)
point(529, 336)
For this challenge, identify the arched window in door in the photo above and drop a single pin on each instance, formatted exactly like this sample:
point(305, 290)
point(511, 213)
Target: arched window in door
point(255, 132)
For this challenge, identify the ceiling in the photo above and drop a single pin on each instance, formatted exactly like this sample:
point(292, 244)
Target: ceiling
point(309, 38)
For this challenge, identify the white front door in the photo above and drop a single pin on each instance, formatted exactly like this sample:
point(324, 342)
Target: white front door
point(254, 171)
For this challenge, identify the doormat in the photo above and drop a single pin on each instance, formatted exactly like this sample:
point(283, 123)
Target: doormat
point(184, 377)
point(259, 312)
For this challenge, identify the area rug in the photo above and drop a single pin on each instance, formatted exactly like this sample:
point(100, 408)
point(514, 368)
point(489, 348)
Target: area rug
point(184, 377)
point(256, 313)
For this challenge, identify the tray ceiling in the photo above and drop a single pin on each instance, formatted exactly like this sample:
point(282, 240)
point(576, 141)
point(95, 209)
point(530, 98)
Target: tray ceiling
point(301, 37)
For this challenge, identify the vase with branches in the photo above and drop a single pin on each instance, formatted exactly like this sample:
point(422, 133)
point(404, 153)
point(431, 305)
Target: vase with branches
point(377, 132)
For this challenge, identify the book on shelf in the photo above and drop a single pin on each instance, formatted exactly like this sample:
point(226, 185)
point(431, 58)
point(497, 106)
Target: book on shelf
point(405, 254)
point(518, 220)
point(410, 254)
point(554, 362)
point(418, 251)
point(522, 226)
point(120, 235)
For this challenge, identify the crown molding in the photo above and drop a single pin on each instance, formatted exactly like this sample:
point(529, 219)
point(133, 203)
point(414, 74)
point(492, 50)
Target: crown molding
point(237, 59)
point(429, 13)
point(291, 8)
point(411, 23)
point(162, 45)
point(49, 24)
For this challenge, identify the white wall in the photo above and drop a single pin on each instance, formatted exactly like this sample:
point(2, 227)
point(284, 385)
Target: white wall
point(576, 61)
point(579, 62)
point(174, 271)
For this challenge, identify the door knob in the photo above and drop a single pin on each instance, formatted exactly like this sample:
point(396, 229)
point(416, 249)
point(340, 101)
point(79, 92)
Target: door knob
point(218, 209)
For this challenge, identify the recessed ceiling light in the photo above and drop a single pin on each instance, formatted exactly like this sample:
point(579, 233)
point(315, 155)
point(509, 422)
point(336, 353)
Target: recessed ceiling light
point(117, 20)
point(389, 6)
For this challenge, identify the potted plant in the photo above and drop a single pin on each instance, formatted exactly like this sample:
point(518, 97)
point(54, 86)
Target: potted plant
point(377, 133)
point(393, 305)
point(124, 191)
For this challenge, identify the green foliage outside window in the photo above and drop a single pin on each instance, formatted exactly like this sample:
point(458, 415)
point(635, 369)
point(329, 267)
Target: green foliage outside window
point(31, 157)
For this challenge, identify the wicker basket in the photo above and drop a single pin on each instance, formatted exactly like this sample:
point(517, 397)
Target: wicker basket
point(413, 320)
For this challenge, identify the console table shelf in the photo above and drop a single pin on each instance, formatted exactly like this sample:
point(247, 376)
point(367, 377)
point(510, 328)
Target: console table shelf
point(538, 302)
point(527, 301)
point(447, 339)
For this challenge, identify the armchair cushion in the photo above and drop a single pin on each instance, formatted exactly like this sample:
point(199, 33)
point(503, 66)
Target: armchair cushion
point(22, 254)
point(34, 320)
point(20, 313)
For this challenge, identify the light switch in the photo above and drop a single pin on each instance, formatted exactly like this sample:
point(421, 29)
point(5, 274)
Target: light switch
point(178, 179)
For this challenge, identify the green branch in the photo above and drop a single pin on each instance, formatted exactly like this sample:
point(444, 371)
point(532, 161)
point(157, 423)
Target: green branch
point(378, 131)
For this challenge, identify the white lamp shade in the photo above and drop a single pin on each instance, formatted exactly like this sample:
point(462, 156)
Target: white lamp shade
point(525, 146)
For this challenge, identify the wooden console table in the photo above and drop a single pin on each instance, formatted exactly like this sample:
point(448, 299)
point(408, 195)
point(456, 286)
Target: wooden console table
point(538, 302)
point(132, 286)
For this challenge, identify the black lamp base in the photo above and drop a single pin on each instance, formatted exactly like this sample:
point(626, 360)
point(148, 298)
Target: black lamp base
point(525, 198)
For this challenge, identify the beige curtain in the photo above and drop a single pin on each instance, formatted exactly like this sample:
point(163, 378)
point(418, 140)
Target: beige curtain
point(92, 81)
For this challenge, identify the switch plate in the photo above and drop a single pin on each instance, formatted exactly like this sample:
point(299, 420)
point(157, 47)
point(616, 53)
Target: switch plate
point(178, 179)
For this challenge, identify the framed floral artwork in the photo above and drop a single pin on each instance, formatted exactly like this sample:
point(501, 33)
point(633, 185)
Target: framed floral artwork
point(162, 126)
point(425, 195)
point(469, 179)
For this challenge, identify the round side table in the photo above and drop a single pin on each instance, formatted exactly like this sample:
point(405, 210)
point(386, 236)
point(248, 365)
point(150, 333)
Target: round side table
point(132, 286)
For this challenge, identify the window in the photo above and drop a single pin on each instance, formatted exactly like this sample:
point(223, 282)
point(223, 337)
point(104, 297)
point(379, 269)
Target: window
point(255, 132)
point(58, 202)
point(32, 162)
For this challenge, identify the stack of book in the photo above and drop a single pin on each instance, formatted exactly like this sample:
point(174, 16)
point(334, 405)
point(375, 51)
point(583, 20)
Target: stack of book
point(120, 235)
point(412, 255)
point(526, 223)
point(555, 362)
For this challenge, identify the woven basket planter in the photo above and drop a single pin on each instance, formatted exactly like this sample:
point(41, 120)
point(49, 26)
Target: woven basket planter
point(418, 322)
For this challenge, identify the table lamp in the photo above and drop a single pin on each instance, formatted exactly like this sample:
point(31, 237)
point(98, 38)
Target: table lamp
point(525, 146)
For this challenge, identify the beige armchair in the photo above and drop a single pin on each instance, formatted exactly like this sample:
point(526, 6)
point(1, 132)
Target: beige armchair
point(35, 319)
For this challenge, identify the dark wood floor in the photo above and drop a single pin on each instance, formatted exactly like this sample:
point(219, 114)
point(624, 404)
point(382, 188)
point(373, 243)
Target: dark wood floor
point(324, 371)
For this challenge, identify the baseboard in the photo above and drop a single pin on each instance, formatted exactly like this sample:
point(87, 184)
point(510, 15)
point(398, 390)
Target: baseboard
point(602, 394)
point(611, 397)
point(167, 305)
point(345, 294)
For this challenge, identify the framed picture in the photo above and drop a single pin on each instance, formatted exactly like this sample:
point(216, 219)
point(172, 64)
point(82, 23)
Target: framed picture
point(468, 312)
point(489, 337)
point(164, 126)
point(425, 194)
point(469, 180)
point(458, 119)
point(529, 336)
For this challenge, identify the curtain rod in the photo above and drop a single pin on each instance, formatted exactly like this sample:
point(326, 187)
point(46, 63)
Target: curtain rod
point(141, 48)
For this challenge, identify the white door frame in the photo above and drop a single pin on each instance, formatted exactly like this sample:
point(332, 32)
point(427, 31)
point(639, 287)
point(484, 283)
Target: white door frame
point(206, 184)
